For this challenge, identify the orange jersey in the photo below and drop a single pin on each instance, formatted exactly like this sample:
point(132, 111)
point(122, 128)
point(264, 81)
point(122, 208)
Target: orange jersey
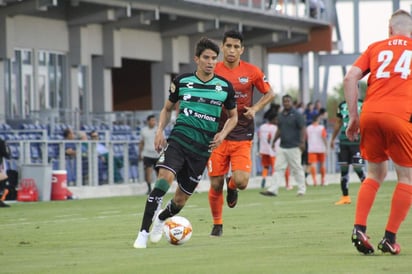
point(244, 79)
point(390, 80)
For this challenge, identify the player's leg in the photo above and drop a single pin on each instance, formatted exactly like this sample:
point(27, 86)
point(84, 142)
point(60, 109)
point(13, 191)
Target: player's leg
point(322, 160)
point(344, 158)
point(373, 149)
point(218, 166)
point(265, 162)
point(241, 164)
point(312, 167)
point(357, 162)
point(400, 151)
point(169, 162)
point(153, 203)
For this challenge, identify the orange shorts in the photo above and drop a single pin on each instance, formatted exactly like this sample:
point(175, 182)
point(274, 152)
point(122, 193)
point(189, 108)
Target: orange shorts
point(230, 154)
point(316, 157)
point(385, 136)
point(267, 160)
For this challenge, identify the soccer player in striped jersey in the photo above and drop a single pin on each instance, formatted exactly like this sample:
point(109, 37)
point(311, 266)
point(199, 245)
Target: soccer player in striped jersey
point(201, 96)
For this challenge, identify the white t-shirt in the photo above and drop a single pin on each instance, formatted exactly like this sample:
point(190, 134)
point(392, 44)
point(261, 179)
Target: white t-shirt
point(316, 135)
point(148, 136)
point(266, 134)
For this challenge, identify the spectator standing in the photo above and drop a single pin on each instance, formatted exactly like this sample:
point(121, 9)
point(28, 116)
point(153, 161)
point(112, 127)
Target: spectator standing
point(148, 153)
point(317, 143)
point(234, 154)
point(70, 155)
point(349, 153)
point(103, 156)
point(201, 96)
point(310, 112)
point(385, 127)
point(291, 131)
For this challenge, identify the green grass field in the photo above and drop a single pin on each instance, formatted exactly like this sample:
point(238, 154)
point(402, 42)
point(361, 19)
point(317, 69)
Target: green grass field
point(285, 234)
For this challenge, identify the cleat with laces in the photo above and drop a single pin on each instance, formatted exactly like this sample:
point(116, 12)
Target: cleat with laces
point(231, 196)
point(361, 241)
point(157, 229)
point(385, 246)
point(344, 200)
point(217, 231)
point(141, 240)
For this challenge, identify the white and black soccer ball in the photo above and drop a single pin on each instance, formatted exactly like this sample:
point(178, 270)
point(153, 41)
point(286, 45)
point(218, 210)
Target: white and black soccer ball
point(177, 230)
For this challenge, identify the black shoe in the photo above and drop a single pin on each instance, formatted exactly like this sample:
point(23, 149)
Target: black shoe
point(268, 193)
point(231, 196)
point(217, 231)
point(385, 246)
point(3, 204)
point(361, 241)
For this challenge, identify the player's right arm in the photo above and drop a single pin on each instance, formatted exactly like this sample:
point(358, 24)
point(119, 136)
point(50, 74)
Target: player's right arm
point(164, 119)
point(336, 129)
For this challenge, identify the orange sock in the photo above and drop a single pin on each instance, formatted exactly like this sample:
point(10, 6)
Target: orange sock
point(366, 196)
point(216, 206)
point(313, 172)
point(401, 203)
point(265, 172)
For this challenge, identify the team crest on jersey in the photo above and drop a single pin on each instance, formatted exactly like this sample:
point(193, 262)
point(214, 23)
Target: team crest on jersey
point(172, 88)
point(187, 97)
point(243, 79)
point(218, 87)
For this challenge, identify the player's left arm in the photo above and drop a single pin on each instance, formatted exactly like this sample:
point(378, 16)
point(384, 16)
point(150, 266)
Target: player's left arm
point(263, 101)
point(260, 82)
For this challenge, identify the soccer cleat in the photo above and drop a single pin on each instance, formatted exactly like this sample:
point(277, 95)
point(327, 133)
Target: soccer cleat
point(157, 229)
point(217, 231)
point(344, 200)
point(361, 241)
point(141, 240)
point(268, 193)
point(231, 195)
point(3, 204)
point(385, 246)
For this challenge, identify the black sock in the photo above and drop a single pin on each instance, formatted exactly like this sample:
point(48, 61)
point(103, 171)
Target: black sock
point(153, 201)
point(171, 210)
point(390, 236)
point(344, 180)
point(361, 228)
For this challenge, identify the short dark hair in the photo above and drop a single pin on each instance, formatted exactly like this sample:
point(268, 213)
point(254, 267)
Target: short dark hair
point(287, 96)
point(235, 34)
point(151, 116)
point(94, 132)
point(66, 132)
point(204, 44)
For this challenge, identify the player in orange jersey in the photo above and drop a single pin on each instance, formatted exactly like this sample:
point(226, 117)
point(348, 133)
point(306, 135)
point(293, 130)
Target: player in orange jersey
point(235, 151)
point(385, 127)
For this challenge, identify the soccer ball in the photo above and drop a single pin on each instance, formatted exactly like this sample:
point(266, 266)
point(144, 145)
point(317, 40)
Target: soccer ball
point(178, 230)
